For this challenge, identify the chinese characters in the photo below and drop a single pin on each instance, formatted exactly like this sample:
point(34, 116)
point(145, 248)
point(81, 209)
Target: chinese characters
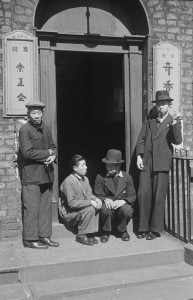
point(20, 68)
point(168, 68)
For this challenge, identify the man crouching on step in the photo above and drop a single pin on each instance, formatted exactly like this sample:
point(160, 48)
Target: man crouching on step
point(81, 206)
point(116, 191)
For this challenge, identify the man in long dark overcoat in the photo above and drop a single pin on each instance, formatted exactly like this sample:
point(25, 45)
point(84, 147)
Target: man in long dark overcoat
point(154, 158)
point(37, 152)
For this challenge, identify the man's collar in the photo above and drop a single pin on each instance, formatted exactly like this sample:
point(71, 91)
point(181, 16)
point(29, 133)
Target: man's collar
point(120, 174)
point(79, 177)
point(162, 119)
point(41, 125)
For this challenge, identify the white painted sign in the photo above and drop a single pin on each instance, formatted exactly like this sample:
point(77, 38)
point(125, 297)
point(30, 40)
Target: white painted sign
point(20, 59)
point(166, 70)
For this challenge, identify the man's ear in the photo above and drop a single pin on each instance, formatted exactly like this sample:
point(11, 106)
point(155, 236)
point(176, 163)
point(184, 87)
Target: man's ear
point(75, 168)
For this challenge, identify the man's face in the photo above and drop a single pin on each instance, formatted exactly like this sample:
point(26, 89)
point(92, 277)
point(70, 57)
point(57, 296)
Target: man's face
point(35, 115)
point(113, 169)
point(81, 169)
point(163, 107)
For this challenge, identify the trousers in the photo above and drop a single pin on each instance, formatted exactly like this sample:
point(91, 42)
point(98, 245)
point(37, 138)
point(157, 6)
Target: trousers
point(152, 193)
point(84, 220)
point(37, 211)
point(123, 215)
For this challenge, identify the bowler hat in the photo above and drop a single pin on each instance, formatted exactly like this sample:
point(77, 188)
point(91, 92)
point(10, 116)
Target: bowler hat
point(35, 104)
point(113, 157)
point(162, 96)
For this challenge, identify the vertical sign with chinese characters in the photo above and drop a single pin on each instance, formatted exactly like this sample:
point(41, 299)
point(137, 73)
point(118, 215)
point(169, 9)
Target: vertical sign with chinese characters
point(166, 71)
point(20, 59)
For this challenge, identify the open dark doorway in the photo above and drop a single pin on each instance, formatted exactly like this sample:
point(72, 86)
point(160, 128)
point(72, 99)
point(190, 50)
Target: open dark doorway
point(90, 108)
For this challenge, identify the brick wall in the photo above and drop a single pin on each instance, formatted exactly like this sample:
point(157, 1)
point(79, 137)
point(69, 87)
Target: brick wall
point(168, 20)
point(172, 21)
point(14, 15)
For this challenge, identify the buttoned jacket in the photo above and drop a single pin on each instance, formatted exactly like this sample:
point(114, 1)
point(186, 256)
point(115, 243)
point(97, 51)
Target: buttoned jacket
point(104, 188)
point(158, 146)
point(33, 152)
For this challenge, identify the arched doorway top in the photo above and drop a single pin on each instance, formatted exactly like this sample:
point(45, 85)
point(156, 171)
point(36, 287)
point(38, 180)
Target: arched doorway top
point(109, 17)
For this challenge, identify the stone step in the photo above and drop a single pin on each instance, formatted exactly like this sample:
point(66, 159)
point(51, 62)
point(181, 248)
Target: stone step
point(59, 230)
point(178, 289)
point(114, 281)
point(72, 259)
point(9, 266)
point(61, 272)
point(15, 292)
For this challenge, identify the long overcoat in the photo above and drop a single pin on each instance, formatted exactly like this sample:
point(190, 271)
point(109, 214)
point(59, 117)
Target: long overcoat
point(158, 146)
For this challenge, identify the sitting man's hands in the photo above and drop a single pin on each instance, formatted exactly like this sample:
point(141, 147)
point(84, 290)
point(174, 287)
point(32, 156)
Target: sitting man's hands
point(98, 203)
point(118, 203)
point(109, 203)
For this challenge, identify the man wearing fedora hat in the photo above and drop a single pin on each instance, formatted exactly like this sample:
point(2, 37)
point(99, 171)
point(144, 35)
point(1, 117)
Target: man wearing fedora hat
point(36, 155)
point(116, 191)
point(154, 157)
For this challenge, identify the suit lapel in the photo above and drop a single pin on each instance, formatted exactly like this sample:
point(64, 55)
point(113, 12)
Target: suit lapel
point(121, 185)
point(163, 126)
point(153, 125)
point(109, 184)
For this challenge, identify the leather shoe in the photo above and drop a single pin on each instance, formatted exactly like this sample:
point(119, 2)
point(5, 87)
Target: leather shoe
point(34, 245)
point(92, 239)
point(83, 239)
point(104, 238)
point(47, 241)
point(125, 236)
point(152, 235)
point(141, 235)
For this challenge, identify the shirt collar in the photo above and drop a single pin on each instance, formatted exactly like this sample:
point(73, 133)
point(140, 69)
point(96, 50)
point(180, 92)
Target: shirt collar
point(78, 176)
point(120, 174)
point(162, 119)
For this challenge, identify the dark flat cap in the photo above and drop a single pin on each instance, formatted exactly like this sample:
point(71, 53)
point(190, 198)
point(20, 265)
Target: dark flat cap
point(35, 104)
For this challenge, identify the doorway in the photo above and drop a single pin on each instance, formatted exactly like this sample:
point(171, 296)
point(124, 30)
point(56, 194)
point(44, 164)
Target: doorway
point(90, 108)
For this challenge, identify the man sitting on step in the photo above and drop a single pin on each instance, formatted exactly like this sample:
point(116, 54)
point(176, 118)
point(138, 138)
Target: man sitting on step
point(116, 191)
point(80, 205)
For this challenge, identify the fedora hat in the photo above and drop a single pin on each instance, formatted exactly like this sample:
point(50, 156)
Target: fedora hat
point(113, 157)
point(35, 104)
point(162, 96)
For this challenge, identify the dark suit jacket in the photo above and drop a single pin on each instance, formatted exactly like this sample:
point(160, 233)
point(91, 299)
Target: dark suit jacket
point(104, 188)
point(158, 146)
point(33, 152)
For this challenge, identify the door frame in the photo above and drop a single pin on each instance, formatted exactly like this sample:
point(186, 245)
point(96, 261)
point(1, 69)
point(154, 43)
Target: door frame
point(135, 69)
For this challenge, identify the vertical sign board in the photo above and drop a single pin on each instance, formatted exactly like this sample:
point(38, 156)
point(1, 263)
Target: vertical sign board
point(20, 71)
point(166, 71)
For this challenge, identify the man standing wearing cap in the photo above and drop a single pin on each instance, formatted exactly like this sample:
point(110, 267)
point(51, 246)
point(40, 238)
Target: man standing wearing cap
point(116, 191)
point(37, 152)
point(154, 158)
